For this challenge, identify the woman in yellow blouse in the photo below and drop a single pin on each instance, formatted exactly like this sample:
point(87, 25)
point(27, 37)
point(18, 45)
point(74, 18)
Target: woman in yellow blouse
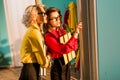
point(32, 52)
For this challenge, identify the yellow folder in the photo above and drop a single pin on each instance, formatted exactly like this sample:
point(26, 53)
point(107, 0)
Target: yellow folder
point(71, 55)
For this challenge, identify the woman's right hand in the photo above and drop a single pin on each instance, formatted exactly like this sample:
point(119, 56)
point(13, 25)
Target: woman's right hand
point(78, 27)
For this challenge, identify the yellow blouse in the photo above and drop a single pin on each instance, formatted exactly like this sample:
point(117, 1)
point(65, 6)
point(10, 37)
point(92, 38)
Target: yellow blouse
point(31, 50)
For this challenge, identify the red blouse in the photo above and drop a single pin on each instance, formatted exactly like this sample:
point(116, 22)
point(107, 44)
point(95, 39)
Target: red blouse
point(55, 47)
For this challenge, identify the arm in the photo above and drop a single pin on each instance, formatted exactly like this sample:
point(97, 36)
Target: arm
point(55, 45)
point(37, 47)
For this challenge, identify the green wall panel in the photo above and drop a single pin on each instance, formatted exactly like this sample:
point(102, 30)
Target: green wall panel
point(60, 4)
point(108, 22)
point(5, 57)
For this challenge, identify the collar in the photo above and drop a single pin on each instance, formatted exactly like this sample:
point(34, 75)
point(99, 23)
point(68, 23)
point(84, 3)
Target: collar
point(35, 26)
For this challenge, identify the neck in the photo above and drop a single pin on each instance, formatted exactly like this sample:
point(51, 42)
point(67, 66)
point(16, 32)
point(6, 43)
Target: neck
point(52, 28)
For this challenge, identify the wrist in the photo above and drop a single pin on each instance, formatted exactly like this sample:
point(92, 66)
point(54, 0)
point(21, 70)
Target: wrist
point(76, 34)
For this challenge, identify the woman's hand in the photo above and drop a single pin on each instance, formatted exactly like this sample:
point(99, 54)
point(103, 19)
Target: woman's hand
point(78, 27)
point(48, 55)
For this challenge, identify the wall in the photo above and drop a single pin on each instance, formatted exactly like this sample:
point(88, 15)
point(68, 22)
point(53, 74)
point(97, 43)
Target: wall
point(108, 22)
point(11, 30)
point(5, 57)
point(60, 4)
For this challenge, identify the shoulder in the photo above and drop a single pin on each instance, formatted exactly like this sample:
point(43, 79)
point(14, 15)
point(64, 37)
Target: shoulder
point(47, 34)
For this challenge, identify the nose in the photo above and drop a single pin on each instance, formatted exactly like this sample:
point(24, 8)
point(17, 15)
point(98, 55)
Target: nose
point(58, 19)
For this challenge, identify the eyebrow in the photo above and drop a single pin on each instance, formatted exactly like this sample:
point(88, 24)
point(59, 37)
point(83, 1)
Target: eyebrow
point(55, 16)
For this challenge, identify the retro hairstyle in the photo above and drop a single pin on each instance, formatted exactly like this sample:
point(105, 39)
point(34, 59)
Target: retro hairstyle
point(48, 12)
point(27, 19)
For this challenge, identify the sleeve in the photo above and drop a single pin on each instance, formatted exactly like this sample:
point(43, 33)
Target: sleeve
point(58, 47)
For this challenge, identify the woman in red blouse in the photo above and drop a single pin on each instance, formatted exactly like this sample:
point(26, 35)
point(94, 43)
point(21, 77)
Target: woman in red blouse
point(59, 71)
